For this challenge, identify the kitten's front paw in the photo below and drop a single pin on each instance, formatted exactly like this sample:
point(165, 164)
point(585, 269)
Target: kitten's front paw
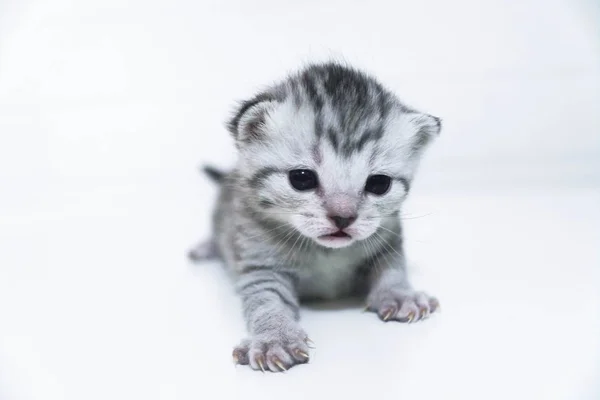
point(274, 352)
point(402, 305)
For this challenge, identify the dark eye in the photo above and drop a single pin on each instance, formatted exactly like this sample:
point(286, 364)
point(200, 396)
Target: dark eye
point(303, 179)
point(378, 184)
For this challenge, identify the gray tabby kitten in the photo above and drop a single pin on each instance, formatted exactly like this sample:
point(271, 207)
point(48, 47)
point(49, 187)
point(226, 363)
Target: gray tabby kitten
point(311, 210)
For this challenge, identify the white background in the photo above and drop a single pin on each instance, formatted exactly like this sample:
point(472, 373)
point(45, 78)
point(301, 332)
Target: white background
point(108, 107)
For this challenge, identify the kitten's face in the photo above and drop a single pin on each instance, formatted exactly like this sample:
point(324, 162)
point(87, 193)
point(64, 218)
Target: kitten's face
point(334, 200)
point(330, 186)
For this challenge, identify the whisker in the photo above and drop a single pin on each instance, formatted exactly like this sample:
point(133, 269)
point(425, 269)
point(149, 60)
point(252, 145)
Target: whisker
point(268, 212)
point(372, 251)
point(280, 245)
point(374, 256)
point(305, 240)
point(389, 246)
point(369, 253)
point(390, 231)
point(265, 232)
point(389, 257)
point(290, 252)
point(415, 216)
point(377, 258)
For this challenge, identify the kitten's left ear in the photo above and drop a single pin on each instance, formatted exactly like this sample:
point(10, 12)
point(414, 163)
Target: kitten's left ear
point(427, 128)
point(249, 119)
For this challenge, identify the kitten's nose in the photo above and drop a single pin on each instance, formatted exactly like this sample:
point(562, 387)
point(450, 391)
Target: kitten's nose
point(342, 222)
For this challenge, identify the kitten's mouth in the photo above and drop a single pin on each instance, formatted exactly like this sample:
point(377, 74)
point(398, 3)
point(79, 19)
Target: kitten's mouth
point(339, 234)
point(336, 235)
point(335, 240)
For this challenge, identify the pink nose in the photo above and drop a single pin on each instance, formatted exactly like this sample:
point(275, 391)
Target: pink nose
point(341, 209)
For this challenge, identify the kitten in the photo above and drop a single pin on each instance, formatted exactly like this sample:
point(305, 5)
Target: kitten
point(311, 210)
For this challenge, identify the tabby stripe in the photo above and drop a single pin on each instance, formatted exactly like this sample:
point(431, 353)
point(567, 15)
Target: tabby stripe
point(255, 300)
point(289, 303)
point(259, 177)
point(404, 183)
point(258, 290)
point(259, 281)
point(292, 276)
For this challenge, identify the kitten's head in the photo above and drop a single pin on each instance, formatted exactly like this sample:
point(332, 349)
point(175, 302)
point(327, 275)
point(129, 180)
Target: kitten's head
point(329, 152)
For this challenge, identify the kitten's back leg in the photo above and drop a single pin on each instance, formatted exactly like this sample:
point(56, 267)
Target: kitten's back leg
point(207, 250)
point(204, 251)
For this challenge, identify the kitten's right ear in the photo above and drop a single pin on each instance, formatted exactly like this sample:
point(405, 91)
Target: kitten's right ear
point(249, 121)
point(427, 128)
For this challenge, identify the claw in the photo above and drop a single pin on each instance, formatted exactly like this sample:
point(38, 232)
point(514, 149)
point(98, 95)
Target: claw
point(236, 360)
point(303, 354)
point(387, 315)
point(411, 316)
point(280, 365)
point(310, 343)
point(424, 313)
point(260, 364)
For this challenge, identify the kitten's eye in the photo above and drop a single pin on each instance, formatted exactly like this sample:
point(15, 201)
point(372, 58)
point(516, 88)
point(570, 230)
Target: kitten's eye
point(303, 179)
point(378, 184)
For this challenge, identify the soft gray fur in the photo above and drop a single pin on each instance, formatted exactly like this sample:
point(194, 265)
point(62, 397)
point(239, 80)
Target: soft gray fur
point(277, 241)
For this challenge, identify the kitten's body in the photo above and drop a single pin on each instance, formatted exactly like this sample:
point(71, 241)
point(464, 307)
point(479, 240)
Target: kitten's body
point(282, 243)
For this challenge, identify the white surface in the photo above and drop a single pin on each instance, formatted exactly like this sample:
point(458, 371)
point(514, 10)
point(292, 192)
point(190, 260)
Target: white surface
point(106, 110)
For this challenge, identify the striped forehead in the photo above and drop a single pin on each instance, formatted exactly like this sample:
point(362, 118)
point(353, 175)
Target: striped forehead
point(300, 125)
point(341, 172)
